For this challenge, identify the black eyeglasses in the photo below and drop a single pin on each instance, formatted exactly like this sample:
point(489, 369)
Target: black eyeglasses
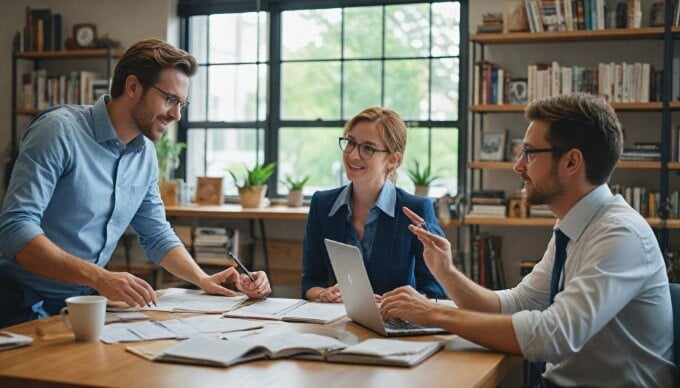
point(171, 101)
point(527, 152)
point(366, 150)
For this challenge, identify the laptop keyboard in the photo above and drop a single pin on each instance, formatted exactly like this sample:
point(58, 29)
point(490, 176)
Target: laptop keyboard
point(400, 324)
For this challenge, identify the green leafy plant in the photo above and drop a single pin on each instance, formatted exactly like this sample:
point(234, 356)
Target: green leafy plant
point(295, 184)
point(258, 176)
point(421, 177)
point(167, 153)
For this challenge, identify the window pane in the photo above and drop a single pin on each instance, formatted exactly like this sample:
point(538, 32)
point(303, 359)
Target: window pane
point(227, 149)
point(195, 156)
point(311, 34)
point(444, 159)
point(363, 32)
point(406, 88)
point(198, 87)
point(263, 89)
point(445, 75)
point(198, 38)
point(407, 32)
point(264, 37)
point(232, 93)
point(318, 156)
point(361, 86)
point(445, 29)
point(233, 37)
point(310, 91)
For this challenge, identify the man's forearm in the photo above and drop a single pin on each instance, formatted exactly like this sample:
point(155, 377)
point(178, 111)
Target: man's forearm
point(468, 294)
point(494, 331)
point(42, 257)
point(179, 262)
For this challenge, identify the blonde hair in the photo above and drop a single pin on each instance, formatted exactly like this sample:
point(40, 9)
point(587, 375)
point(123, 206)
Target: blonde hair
point(391, 128)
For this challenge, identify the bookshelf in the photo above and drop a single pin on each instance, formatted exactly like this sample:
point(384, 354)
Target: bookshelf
point(496, 174)
point(37, 58)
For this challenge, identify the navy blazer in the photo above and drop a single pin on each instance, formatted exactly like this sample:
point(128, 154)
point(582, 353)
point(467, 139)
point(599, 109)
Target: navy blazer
point(396, 257)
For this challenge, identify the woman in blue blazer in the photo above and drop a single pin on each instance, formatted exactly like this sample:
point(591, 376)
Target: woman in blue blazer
point(367, 213)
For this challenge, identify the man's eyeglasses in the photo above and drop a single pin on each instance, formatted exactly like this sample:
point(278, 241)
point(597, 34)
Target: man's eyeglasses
point(527, 153)
point(171, 101)
point(366, 150)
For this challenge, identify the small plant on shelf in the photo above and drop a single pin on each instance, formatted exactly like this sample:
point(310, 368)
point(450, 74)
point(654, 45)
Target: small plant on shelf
point(421, 178)
point(252, 187)
point(295, 186)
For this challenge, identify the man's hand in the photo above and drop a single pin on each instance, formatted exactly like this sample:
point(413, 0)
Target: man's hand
point(406, 303)
point(123, 286)
point(254, 289)
point(437, 252)
point(214, 284)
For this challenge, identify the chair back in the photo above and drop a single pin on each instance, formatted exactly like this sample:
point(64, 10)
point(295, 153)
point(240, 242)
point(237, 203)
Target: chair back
point(675, 301)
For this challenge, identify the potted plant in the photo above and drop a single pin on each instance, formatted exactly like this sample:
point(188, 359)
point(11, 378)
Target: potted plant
point(295, 187)
point(167, 153)
point(253, 187)
point(421, 178)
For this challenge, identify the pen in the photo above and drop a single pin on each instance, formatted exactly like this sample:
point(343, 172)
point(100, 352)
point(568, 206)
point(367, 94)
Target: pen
point(245, 270)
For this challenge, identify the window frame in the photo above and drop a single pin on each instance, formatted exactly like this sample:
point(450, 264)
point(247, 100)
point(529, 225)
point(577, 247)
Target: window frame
point(270, 126)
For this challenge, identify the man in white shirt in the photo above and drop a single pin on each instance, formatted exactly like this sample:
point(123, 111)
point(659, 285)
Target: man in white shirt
point(597, 307)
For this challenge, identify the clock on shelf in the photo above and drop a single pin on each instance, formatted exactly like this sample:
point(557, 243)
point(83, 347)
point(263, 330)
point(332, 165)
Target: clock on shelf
point(84, 36)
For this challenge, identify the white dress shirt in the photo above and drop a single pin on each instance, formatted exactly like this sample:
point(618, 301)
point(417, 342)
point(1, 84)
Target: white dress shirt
point(612, 323)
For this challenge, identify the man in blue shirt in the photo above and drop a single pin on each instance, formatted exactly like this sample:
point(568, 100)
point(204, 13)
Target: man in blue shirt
point(83, 174)
point(596, 309)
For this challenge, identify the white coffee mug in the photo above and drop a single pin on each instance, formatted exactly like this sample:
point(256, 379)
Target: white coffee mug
point(86, 314)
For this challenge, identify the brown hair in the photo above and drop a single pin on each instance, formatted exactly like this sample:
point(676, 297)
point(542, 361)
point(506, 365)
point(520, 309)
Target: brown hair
point(146, 60)
point(391, 127)
point(585, 122)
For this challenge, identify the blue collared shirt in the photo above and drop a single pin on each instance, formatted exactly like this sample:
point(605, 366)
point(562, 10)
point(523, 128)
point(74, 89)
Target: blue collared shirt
point(386, 202)
point(612, 323)
point(75, 182)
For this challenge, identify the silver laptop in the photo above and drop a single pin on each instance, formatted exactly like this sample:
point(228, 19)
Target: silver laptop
point(357, 294)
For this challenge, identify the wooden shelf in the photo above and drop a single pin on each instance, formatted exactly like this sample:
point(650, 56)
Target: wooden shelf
point(537, 221)
point(572, 36)
point(27, 111)
point(621, 107)
point(69, 54)
point(622, 164)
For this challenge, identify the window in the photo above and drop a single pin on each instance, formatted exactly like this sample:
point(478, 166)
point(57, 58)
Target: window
point(326, 65)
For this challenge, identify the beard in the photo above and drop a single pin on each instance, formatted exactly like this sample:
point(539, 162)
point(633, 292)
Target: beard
point(546, 192)
point(145, 120)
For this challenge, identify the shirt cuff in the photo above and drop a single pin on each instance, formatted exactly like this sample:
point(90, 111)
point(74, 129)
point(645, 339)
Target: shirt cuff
point(505, 297)
point(525, 324)
point(15, 240)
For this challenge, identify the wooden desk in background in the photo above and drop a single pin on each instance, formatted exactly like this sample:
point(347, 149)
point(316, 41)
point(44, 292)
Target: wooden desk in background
point(235, 211)
point(56, 359)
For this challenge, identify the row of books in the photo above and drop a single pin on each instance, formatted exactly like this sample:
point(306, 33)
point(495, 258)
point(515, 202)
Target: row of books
point(39, 91)
point(642, 152)
point(486, 265)
point(617, 82)
point(572, 15)
point(211, 244)
point(42, 31)
point(646, 201)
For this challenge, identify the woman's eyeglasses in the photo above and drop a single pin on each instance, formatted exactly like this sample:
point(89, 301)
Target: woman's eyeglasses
point(366, 150)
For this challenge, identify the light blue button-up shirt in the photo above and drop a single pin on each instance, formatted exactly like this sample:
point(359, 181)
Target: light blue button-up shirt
point(386, 202)
point(612, 324)
point(75, 182)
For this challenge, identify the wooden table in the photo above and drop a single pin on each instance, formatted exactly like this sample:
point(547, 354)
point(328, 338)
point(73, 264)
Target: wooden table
point(56, 359)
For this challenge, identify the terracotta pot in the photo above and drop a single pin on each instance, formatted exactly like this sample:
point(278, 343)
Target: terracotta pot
point(252, 197)
point(422, 190)
point(295, 198)
point(169, 192)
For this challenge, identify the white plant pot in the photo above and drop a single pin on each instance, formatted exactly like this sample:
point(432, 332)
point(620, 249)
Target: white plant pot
point(423, 191)
point(295, 198)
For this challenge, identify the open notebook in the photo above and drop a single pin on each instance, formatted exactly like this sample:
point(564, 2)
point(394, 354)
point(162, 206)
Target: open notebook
point(296, 310)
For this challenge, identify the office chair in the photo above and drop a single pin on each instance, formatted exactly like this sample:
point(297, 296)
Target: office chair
point(675, 301)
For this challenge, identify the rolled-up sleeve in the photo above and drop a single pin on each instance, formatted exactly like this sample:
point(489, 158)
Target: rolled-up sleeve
point(45, 155)
point(154, 231)
point(608, 278)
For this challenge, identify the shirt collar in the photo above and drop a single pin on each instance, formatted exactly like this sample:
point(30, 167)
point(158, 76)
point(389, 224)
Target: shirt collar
point(578, 217)
point(103, 127)
point(386, 202)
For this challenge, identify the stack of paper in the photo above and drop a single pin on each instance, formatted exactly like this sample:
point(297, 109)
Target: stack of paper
point(184, 300)
point(10, 340)
point(290, 310)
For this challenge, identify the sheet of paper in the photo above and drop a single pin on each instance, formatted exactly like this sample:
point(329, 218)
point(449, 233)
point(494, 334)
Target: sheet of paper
point(179, 327)
point(387, 347)
point(209, 349)
point(11, 340)
point(151, 331)
point(181, 299)
point(317, 312)
point(217, 324)
point(118, 332)
point(277, 342)
point(271, 308)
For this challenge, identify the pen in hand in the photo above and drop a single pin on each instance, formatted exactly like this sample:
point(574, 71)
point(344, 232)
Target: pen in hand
point(245, 270)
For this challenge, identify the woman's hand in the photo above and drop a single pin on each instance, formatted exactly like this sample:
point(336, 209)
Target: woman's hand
point(330, 295)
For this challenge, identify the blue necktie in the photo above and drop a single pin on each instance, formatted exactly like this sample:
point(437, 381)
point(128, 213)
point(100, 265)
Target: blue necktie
point(561, 241)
